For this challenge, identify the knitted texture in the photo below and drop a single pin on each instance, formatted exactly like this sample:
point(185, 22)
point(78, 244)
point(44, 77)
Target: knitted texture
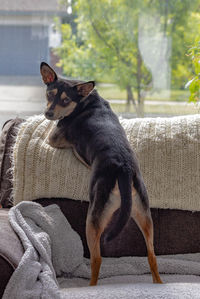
point(168, 150)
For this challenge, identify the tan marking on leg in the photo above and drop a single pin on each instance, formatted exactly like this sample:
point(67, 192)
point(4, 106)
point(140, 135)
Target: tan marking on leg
point(115, 190)
point(144, 222)
point(80, 159)
point(112, 205)
point(93, 236)
point(61, 143)
point(57, 139)
point(93, 240)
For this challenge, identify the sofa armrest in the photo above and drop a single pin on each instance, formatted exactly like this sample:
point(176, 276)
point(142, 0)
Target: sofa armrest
point(11, 250)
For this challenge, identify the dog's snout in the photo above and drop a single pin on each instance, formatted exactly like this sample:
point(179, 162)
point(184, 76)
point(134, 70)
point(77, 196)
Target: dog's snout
point(49, 114)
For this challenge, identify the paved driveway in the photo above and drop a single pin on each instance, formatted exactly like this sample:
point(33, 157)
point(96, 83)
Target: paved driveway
point(21, 96)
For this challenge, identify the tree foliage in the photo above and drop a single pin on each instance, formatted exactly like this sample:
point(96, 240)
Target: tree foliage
point(194, 83)
point(106, 43)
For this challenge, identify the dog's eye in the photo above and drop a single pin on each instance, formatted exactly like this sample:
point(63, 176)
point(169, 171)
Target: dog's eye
point(50, 97)
point(66, 100)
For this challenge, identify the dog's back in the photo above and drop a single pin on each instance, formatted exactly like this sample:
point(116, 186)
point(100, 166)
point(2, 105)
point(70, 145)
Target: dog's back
point(101, 141)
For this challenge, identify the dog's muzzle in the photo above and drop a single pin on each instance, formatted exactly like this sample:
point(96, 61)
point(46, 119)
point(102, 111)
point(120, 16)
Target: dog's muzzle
point(49, 115)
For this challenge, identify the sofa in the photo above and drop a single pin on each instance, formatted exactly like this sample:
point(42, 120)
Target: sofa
point(176, 231)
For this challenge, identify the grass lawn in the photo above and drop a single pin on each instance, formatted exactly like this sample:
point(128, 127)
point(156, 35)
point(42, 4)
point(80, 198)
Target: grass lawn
point(179, 99)
point(159, 110)
point(111, 91)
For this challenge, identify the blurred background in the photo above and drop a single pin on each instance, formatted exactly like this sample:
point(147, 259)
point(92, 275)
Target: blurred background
point(140, 53)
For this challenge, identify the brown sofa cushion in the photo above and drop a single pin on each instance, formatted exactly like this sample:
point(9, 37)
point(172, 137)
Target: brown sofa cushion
point(6, 143)
point(5, 274)
point(175, 231)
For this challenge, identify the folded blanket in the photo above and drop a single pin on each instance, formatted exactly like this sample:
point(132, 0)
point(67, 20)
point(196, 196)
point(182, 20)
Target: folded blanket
point(50, 247)
point(168, 150)
point(53, 248)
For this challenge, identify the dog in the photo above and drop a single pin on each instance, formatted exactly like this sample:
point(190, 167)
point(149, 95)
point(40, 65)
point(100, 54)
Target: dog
point(87, 124)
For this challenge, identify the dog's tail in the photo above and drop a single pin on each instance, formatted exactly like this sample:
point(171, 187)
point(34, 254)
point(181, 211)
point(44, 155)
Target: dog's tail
point(125, 188)
point(125, 181)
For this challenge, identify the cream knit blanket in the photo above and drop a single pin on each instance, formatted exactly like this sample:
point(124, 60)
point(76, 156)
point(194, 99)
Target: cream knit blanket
point(168, 150)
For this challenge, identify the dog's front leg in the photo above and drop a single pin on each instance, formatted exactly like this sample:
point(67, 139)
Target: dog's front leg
point(80, 159)
point(57, 139)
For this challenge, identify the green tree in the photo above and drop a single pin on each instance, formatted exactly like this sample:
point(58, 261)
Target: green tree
point(194, 83)
point(106, 42)
point(181, 22)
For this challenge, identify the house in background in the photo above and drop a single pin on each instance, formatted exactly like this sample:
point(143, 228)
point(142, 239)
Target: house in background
point(27, 35)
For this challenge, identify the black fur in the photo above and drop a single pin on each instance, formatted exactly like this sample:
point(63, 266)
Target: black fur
point(97, 136)
point(101, 141)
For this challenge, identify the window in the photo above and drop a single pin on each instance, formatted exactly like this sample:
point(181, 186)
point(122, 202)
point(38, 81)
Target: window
point(136, 51)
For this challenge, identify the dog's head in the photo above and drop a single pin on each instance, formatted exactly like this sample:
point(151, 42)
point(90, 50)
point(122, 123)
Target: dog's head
point(62, 96)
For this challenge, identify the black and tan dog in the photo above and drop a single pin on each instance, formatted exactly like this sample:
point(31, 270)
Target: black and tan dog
point(88, 125)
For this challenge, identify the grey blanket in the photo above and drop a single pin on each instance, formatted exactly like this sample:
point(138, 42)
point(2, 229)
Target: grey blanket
point(53, 249)
point(46, 237)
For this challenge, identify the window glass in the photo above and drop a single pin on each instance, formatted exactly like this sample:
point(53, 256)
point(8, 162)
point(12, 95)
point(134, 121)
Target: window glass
point(136, 51)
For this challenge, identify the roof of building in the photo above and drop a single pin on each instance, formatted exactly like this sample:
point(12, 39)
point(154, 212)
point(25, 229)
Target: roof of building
point(32, 6)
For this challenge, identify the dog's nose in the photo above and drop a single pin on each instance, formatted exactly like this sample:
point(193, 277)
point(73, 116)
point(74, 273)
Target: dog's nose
point(49, 114)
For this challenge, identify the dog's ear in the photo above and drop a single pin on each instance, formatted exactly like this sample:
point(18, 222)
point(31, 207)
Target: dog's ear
point(48, 74)
point(84, 89)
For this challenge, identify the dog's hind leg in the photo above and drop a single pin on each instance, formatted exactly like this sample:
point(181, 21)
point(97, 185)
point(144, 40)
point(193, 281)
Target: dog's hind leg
point(93, 235)
point(99, 215)
point(142, 216)
point(93, 241)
